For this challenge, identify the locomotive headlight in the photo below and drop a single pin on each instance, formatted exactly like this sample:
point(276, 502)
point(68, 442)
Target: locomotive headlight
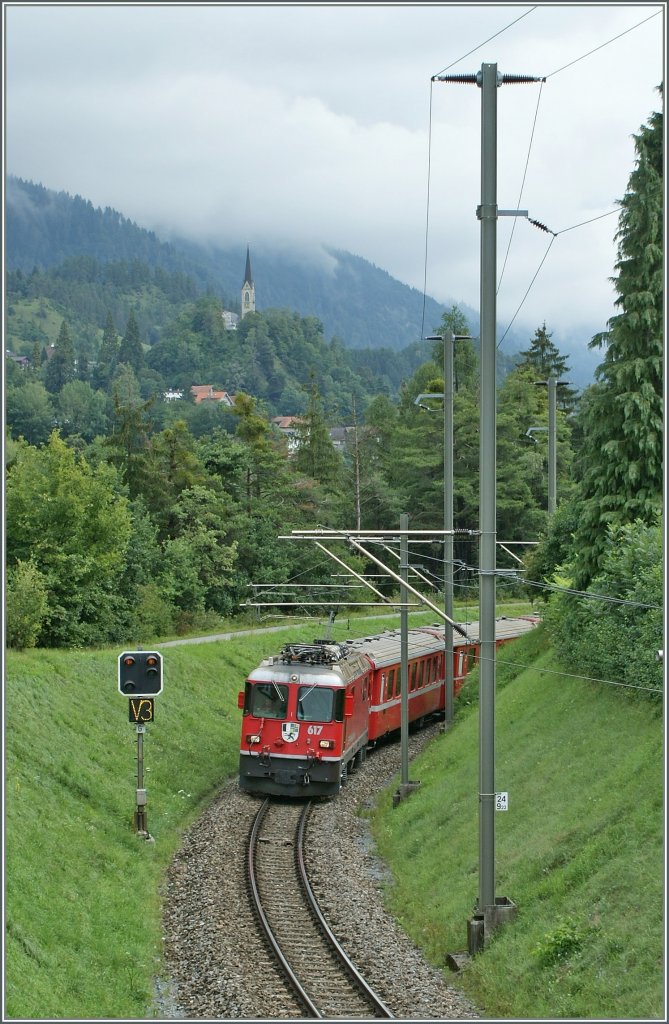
point(253, 738)
point(327, 744)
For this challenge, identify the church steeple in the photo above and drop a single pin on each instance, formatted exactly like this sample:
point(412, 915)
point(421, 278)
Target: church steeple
point(248, 288)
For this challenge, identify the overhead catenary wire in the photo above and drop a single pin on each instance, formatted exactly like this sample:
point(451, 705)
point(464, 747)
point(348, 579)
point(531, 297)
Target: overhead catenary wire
point(602, 45)
point(550, 586)
point(488, 40)
point(575, 675)
point(552, 74)
point(522, 186)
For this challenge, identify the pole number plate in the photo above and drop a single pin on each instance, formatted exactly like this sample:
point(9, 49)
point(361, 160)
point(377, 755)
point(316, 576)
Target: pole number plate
point(501, 801)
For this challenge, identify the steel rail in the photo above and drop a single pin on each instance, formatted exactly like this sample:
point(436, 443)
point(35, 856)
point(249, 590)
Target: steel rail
point(381, 1010)
point(265, 925)
point(336, 952)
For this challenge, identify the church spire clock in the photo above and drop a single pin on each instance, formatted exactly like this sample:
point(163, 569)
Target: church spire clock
point(248, 288)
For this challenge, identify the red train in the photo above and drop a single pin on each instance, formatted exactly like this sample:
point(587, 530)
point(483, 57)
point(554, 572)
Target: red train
point(312, 712)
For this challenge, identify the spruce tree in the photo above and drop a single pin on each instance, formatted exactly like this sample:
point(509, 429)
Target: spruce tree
point(107, 355)
point(545, 360)
point(621, 461)
point(131, 351)
point(543, 356)
point(316, 455)
point(60, 368)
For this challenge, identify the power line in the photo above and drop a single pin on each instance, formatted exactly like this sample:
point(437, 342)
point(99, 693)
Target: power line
point(464, 56)
point(429, 150)
point(537, 224)
point(573, 675)
point(602, 45)
point(549, 586)
point(520, 194)
point(592, 219)
point(587, 595)
point(527, 292)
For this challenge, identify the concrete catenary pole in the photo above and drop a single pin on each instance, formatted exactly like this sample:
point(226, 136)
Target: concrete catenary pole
point(404, 646)
point(448, 523)
point(552, 445)
point(487, 487)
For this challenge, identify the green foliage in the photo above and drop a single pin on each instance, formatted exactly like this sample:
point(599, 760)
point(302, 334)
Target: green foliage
point(566, 940)
point(30, 411)
point(316, 456)
point(69, 520)
point(544, 360)
point(130, 351)
point(621, 463)
point(82, 411)
point(617, 639)
point(107, 354)
point(554, 547)
point(60, 368)
point(26, 604)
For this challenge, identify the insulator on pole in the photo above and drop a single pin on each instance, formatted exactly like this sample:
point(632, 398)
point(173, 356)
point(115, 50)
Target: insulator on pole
point(458, 79)
point(520, 79)
point(542, 227)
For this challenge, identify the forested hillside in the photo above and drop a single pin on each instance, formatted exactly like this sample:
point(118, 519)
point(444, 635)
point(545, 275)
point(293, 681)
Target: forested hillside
point(131, 515)
point(359, 304)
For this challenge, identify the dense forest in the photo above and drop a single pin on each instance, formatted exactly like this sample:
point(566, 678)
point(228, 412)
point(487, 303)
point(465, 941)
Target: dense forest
point(130, 517)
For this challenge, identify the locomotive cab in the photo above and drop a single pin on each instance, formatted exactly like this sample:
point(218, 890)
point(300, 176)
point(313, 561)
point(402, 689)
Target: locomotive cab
point(304, 719)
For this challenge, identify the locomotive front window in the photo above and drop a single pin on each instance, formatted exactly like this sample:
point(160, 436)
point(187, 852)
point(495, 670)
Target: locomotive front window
point(315, 704)
point(269, 700)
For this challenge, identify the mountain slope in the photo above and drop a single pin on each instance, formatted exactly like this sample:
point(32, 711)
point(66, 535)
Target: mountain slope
point(356, 301)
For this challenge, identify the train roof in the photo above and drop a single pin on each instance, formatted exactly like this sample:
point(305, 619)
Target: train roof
point(322, 658)
point(383, 648)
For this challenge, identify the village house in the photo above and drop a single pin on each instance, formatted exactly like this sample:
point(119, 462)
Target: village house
point(206, 393)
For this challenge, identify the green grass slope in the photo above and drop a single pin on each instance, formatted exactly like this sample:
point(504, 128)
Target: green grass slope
point(82, 910)
point(580, 850)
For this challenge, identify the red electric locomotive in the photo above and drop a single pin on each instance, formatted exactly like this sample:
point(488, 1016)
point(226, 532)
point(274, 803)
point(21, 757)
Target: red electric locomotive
point(312, 712)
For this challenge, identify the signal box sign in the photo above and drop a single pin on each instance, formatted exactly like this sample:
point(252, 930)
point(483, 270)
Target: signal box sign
point(140, 673)
point(141, 710)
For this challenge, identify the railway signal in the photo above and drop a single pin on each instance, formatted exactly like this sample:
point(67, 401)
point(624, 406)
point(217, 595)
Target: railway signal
point(140, 678)
point(140, 673)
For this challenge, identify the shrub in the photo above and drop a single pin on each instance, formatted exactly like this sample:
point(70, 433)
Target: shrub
point(26, 604)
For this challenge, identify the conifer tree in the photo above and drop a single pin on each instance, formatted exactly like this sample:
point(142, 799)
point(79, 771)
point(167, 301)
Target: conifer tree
point(543, 357)
point(131, 351)
point(621, 461)
point(60, 368)
point(107, 356)
point(316, 455)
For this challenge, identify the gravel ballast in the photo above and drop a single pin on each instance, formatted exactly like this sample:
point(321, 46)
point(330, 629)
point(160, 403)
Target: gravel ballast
point(215, 962)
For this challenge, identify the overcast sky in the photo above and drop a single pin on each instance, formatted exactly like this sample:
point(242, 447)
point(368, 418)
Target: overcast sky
point(320, 125)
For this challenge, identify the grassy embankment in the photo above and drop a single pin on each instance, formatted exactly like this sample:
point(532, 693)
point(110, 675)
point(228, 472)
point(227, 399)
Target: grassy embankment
point(580, 850)
point(83, 891)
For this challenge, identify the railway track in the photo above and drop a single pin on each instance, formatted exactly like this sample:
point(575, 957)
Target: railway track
point(318, 970)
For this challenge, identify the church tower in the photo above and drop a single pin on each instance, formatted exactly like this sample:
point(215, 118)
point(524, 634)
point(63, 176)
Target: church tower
point(248, 288)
